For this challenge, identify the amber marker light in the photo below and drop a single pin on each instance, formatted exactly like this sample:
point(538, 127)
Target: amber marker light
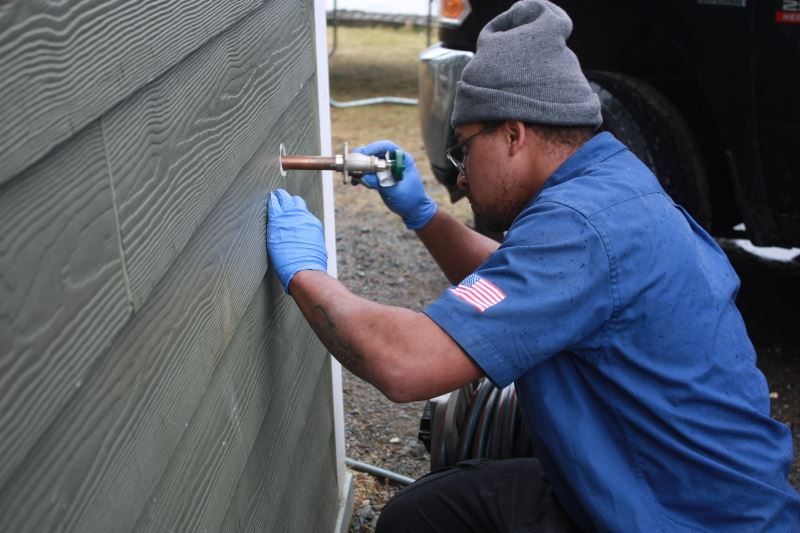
point(454, 11)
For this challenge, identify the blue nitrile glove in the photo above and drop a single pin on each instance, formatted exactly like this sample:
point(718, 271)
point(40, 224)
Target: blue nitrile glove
point(407, 197)
point(295, 240)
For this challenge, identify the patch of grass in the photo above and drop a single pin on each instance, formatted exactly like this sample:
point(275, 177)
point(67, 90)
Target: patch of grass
point(375, 61)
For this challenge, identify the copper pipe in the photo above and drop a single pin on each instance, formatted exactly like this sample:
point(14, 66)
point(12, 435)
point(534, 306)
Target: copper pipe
point(307, 162)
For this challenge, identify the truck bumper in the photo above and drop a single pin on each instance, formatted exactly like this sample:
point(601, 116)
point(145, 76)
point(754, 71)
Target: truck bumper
point(439, 70)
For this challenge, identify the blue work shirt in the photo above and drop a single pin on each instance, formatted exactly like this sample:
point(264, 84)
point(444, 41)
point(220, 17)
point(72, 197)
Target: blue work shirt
point(614, 314)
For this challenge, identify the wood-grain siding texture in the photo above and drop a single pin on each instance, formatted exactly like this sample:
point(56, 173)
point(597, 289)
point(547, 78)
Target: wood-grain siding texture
point(153, 374)
point(170, 147)
point(62, 288)
point(65, 63)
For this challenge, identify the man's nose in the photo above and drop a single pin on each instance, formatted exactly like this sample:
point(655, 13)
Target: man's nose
point(461, 182)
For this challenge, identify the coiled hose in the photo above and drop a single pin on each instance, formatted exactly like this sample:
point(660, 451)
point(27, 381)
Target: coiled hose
point(476, 421)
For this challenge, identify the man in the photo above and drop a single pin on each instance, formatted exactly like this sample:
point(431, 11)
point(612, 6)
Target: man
point(608, 306)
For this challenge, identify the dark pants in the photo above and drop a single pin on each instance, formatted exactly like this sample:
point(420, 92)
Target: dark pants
point(480, 495)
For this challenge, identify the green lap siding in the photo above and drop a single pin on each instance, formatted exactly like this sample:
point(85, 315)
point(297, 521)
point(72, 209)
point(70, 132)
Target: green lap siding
point(154, 374)
point(65, 63)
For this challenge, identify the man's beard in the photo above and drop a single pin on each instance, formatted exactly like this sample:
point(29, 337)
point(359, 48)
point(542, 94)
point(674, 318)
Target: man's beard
point(498, 217)
point(496, 224)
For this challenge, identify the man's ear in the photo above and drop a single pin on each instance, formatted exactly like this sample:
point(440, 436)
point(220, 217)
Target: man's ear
point(516, 134)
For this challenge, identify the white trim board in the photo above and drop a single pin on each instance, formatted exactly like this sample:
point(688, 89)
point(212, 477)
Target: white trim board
point(344, 478)
point(346, 503)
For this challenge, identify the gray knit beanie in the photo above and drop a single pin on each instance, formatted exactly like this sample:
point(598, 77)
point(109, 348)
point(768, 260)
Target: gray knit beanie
point(523, 70)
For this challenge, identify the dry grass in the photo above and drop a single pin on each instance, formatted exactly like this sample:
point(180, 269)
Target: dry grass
point(374, 61)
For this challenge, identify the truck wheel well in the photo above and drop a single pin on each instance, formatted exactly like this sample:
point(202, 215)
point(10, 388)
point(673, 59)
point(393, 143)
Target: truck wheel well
point(646, 121)
point(643, 52)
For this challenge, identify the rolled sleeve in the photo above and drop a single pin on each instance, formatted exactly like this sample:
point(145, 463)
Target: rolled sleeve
point(554, 273)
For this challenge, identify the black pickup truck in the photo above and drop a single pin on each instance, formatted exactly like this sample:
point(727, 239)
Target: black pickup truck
point(706, 92)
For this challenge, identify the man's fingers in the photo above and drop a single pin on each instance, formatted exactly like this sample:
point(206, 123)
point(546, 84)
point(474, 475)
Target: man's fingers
point(370, 181)
point(281, 201)
point(273, 205)
point(378, 148)
point(299, 202)
point(284, 198)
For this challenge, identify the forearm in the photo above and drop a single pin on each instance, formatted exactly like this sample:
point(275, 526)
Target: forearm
point(457, 249)
point(402, 353)
point(356, 331)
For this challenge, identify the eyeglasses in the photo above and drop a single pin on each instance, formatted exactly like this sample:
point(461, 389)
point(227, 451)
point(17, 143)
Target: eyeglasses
point(457, 153)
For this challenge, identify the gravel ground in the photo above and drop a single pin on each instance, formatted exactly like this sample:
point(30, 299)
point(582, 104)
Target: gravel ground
point(377, 257)
point(768, 301)
point(380, 260)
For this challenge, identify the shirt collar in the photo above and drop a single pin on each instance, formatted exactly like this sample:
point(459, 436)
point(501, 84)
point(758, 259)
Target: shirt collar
point(600, 147)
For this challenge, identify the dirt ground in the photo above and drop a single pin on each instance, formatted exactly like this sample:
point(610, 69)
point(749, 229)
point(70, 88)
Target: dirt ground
point(380, 260)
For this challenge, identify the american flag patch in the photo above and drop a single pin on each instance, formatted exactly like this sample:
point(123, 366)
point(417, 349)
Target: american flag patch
point(480, 293)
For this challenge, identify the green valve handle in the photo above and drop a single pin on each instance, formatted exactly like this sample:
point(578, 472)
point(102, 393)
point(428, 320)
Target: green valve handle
point(398, 158)
point(396, 164)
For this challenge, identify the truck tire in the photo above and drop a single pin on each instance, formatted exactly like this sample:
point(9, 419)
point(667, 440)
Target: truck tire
point(652, 127)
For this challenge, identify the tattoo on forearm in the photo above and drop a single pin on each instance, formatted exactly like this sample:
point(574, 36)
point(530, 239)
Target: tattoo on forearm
point(325, 328)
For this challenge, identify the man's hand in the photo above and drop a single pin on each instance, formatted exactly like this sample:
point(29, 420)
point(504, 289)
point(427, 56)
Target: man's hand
point(295, 239)
point(407, 197)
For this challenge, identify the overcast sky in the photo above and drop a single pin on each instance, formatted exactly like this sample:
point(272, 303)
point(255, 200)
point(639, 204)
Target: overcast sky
point(415, 7)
